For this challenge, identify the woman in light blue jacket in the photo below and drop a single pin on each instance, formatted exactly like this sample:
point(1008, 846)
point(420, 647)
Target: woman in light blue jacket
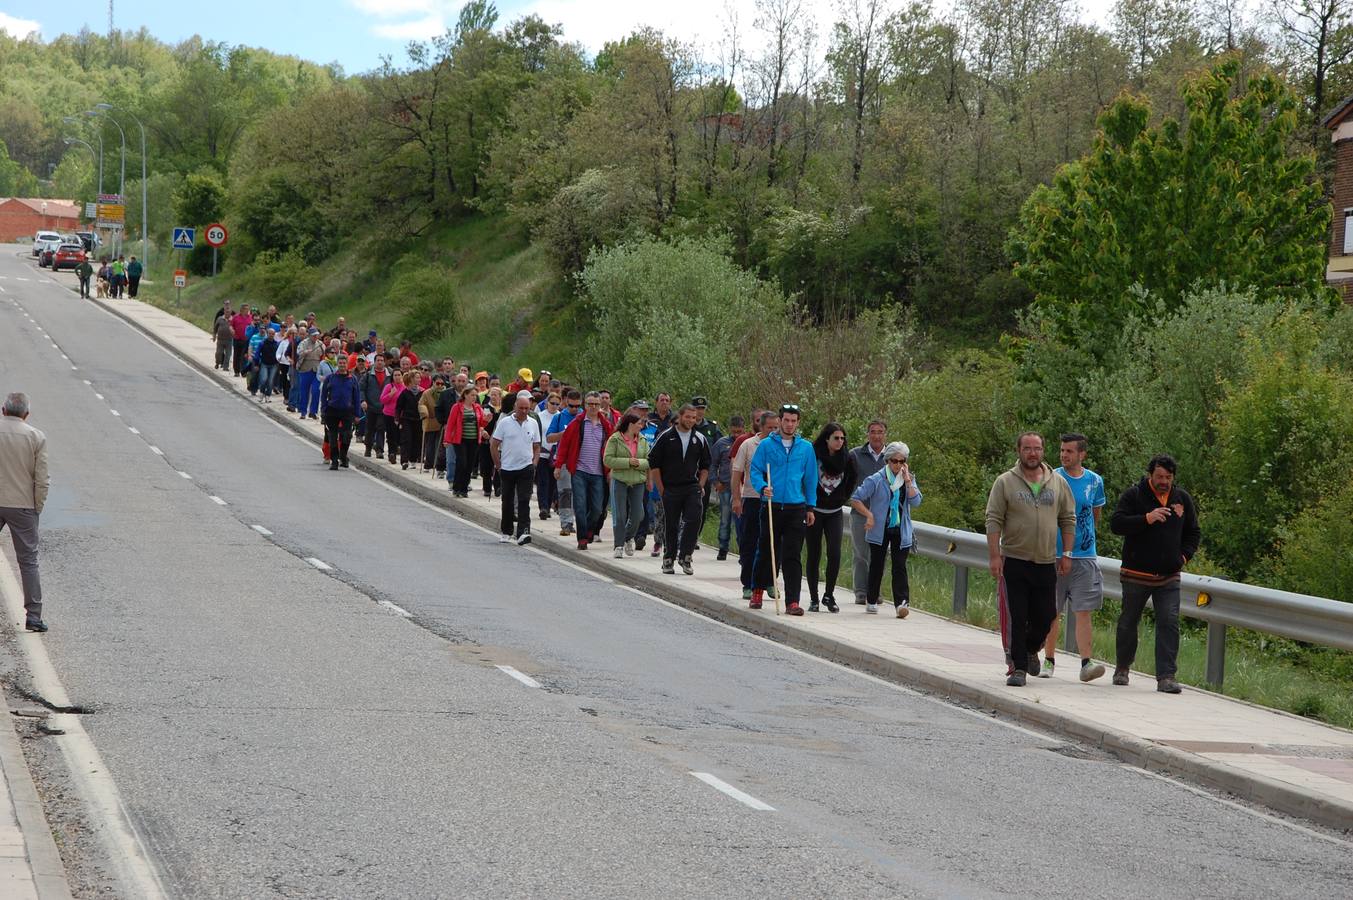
point(885, 499)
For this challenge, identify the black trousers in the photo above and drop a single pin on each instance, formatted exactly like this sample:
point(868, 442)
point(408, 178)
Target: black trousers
point(375, 429)
point(410, 442)
point(828, 526)
point(790, 525)
point(338, 432)
point(391, 424)
point(237, 360)
point(749, 539)
point(283, 381)
point(487, 472)
point(547, 489)
point(133, 282)
point(1031, 597)
point(892, 544)
point(467, 463)
point(683, 517)
point(517, 484)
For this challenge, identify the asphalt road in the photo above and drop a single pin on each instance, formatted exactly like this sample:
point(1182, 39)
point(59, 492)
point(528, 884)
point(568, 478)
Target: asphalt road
point(276, 731)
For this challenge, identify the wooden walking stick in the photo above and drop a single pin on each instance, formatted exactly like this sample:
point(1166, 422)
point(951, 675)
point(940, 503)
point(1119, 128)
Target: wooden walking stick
point(774, 570)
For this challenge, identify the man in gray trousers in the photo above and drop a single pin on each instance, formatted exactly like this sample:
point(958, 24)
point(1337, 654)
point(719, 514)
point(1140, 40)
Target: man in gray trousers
point(868, 460)
point(23, 491)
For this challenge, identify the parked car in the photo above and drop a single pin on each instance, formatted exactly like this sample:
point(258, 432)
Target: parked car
point(90, 239)
point(44, 239)
point(68, 256)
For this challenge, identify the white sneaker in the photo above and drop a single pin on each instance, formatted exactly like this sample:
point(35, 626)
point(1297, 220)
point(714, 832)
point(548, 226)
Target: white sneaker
point(629, 548)
point(872, 609)
point(504, 538)
point(523, 539)
point(619, 553)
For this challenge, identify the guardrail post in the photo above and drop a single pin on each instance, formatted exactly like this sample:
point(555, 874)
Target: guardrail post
point(1216, 653)
point(960, 590)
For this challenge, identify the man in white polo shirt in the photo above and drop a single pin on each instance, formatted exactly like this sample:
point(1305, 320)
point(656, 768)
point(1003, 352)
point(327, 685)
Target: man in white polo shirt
point(516, 450)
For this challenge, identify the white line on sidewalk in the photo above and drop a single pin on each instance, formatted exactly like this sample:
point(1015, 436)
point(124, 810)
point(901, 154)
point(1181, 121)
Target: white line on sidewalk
point(319, 564)
point(524, 679)
point(261, 530)
point(397, 610)
point(725, 787)
point(132, 430)
point(217, 500)
point(156, 450)
point(185, 475)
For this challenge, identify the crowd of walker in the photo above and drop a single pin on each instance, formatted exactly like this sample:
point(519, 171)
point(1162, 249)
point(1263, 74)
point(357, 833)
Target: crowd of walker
point(658, 470)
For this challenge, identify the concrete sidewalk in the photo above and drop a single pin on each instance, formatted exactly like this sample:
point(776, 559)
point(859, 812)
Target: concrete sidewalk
point(1291, 764)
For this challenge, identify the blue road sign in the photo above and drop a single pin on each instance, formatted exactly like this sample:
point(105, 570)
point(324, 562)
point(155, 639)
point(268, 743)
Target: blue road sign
point(183, 238)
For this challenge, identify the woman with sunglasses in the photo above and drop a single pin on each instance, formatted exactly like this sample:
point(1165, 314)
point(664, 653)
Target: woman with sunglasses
point(886, 499)
point(836, 479)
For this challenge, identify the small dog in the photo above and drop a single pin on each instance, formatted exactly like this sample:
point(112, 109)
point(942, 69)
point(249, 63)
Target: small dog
point(101, 288)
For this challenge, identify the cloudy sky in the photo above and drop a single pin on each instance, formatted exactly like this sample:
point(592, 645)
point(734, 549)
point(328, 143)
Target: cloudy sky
point(357, 33)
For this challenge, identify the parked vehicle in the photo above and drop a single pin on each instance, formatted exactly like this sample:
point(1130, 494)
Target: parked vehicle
point(44, 239)
point(68, 256)
point(90, 239)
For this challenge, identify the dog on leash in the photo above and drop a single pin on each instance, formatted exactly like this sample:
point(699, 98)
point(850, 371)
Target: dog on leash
point(101, 288)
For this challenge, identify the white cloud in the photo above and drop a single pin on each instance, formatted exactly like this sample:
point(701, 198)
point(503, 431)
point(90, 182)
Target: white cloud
point(19, 28)
point(413, 30)
point(393, 9)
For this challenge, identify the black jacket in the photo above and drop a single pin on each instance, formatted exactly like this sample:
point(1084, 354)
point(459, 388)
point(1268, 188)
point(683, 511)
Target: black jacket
point(370, 386)
point(1161, 549)
point(447, 400)
point(679, 470)
point(838, 496)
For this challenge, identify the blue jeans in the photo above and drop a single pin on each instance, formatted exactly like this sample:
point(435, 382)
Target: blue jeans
point(627, 510)
point(450, 463)
point(586, 501)
point(266, 374)
point(725, 518)
point(307, 401)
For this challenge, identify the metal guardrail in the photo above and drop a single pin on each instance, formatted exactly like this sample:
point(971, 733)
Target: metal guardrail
point(1218, 602)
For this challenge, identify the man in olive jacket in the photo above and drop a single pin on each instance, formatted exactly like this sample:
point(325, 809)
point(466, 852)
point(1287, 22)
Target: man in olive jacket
point(23, 492)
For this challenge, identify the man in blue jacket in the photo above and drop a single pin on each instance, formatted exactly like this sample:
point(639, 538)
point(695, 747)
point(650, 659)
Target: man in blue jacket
point(789, 493)
point(339, 402)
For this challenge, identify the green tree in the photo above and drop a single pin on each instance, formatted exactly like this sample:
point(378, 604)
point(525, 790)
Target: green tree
point(1219, 197)
point(15, 180)
point(200, 200)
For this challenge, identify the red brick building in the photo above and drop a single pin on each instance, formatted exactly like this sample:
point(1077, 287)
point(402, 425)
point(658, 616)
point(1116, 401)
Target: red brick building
point(22, 217)
point(1339, 273)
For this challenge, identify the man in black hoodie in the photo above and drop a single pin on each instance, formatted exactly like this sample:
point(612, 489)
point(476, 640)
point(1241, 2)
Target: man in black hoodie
point(1159, 525)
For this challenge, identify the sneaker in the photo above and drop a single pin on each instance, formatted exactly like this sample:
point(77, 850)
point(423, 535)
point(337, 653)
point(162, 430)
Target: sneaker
point(565, 532)
point(793, 609)
point(36, 625)
point(859, 600)
point(755, 600)
point(1091, 672)
point(656, 551)
point(872, 609)
point(619, 553)
point(1120, 677)
point(343, 464)
point(830, 604)
point(1032, 666)
point(629, 548)
point(523, 539)
point(504, 538)
point(333, 466)
point(723, 554)
point(903, 611)
point(640, 543)
point(1016, 679)
point(686, 565)
point(669, 567)
point(1168, 685)
point(582, 545)
point(1049, 665)
point(813, 606)
point(746, 593)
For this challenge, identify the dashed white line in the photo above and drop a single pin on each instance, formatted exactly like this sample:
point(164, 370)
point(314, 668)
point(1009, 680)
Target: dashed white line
point(88, 382)
point(156, 450)
point(97, 394)
point(217, 500)
point(185, 475)
point(319, 564)
point(65, 357)
point(116, 413)
point(524, 679)
point(397, 610)
point(132, 430)
point(259, 528)
point(740, 796)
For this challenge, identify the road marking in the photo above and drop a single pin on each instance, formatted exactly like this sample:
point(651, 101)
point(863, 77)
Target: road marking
point(524, 679)
point(75, 368)
point(397, 610)
point(88, 383)
point(116, 413)
point(217, 500)
point(740, 796)
point(185, 475)
point(97, 394)
point(132, 430)
point(17, 278)
point(259, 528)
point(65, 357)
point(319, 564)
point(95, 783)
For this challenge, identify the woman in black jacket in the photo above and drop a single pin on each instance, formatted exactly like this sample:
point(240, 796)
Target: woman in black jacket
point(410, 420)
point(836, 479)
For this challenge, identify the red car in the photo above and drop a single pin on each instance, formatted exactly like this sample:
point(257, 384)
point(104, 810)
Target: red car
point(68, 256)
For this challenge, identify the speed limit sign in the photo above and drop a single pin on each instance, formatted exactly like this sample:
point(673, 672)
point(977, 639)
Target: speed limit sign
point(216, 235)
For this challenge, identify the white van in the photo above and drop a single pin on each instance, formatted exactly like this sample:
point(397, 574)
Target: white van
point(44, 239)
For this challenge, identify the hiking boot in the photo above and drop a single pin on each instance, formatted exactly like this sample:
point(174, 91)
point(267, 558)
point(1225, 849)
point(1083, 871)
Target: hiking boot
point(793, 609)
point(1032, 667)
point(1168, 685)
point(686, 565)
point(1120, 676)
point(1091, 672)
point(1016, 679)
point(830, 604)
point(755, 600)
point(723, 554)
point(1049, 664)
point(669, 567)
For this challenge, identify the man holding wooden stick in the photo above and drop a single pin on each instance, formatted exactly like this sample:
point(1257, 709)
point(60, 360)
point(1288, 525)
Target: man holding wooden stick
point(784, 472)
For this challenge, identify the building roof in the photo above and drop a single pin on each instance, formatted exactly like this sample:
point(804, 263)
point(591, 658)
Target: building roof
point(60, 209)
point(1339, 113)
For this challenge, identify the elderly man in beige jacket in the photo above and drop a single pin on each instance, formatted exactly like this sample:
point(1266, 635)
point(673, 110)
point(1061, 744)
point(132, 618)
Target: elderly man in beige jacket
point(23, 491)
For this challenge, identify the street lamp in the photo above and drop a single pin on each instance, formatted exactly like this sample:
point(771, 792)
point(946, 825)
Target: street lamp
point(145, 229)
point(76, 120)
point(122, 178)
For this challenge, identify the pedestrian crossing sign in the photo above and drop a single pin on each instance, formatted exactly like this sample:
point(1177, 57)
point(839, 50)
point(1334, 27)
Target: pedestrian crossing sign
point(183, 238)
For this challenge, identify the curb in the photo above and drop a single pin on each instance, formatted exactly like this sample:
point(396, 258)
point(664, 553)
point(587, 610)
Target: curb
point(1129, 748)
point(49, 873)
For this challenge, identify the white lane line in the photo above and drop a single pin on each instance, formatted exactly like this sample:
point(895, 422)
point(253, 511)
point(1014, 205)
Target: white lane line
point(65, 357)
point(17, 278)
point(261, 530)
point(217, 500)
point(95, 784)
point(186, 476)
point(524, 679)
point(156, 450)
point(97, 394)
point(116, 413)
point(397, 610)
point(88, 382)
point(740, 796)
point(75, 368)
point(319, 564)
point(132, 430)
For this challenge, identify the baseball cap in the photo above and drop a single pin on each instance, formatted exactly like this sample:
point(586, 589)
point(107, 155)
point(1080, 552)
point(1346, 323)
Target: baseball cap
point(639, 404)
point(524, 374)
point(313, 330)
point(371, 333)
point(699, 402)
point(479, 375)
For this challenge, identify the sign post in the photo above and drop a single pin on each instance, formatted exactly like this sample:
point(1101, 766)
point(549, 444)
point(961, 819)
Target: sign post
point(216, 237)
point(183, 240)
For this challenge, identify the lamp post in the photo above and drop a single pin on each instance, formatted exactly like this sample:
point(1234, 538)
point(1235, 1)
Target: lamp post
point(145, 219)
point(75, 120)
point(122, 177)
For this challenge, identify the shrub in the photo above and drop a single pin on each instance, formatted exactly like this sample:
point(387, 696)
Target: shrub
point(283, 279)
point(596, 210)
point(427, 295)
point(1313, 553)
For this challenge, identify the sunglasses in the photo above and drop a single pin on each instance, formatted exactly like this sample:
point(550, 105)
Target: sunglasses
point(789, 408)
point(897, 462)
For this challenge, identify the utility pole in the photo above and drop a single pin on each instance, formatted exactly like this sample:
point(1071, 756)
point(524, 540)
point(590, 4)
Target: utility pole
point(110, 21)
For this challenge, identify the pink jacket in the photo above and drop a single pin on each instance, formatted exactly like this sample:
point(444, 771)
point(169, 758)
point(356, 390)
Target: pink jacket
point(390, 394)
